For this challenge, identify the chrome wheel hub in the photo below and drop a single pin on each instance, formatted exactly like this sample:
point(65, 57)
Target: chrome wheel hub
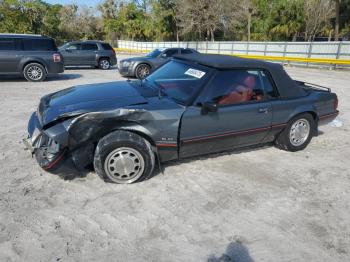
point(143, 71)
point(124, 165)
point(299, 132)
point(105, 64)
point(34, 72)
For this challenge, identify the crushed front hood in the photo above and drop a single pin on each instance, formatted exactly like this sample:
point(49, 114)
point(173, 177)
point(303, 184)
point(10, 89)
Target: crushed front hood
point(87, 98)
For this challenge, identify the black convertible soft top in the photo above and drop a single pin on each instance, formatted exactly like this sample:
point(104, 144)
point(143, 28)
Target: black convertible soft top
point(287, 87)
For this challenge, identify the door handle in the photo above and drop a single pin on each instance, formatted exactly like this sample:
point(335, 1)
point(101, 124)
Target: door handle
point(263, 110)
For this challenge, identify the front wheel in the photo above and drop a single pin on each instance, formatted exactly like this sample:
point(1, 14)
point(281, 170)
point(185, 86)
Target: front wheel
point(142, 71)
point(124, 157)
point(298, 133)
point(104, 64)
point(34, 72)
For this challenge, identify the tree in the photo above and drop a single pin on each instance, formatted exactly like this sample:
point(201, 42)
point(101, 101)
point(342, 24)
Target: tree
point(205, 17)
point(79, 23)
point(165, 23)
point(337, 19)
point(109, 9)
point(51, 22)
point(288, 20)
point(35, 12)
point(317, 15)
point(168, 20)
point(13, 19)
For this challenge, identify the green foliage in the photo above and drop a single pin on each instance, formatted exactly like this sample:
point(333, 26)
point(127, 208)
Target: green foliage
point(160, 20)
point(38, 17)
point(163, 26)
point(278, 20)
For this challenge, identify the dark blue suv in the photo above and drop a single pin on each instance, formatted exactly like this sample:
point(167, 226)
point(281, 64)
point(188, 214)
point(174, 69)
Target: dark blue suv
point(32, 56)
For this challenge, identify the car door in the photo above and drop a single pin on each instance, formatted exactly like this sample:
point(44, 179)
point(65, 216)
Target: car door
point(71, 54)
point(165, 56)
point(10, 55)
point(88, 54)
point(234, 112)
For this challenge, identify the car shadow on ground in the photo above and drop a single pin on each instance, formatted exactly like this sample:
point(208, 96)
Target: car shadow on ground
point(58, 77)
point(235, 252)
point(159, 169)
point(211, 156)
point(63, 76)
point(87, 68)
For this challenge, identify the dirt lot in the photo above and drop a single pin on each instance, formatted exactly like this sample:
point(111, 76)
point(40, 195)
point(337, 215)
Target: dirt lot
point(253, 205)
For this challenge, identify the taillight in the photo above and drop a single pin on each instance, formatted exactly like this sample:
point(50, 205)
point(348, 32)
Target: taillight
point(56, 57)
point(335, 103)
point(113, 51)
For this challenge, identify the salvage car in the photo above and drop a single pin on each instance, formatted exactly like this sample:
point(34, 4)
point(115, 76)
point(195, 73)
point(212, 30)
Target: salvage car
point(193, 105)
point(141, 67)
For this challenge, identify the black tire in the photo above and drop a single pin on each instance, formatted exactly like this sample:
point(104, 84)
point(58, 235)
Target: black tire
point(104, 64)
point(142, 71)
point(34, 72)
point(108, 147)
point(285, 140)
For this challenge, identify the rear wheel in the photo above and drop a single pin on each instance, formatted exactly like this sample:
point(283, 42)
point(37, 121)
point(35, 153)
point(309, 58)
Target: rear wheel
point(124, 157)
point(142, 71)
point(298, 133)
point(34, 72)
point(104, 64)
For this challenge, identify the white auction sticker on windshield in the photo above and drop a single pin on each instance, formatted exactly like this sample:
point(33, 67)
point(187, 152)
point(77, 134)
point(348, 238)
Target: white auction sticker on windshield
point(194, 72)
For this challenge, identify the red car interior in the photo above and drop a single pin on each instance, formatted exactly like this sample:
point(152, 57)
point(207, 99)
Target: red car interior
point(242, 92)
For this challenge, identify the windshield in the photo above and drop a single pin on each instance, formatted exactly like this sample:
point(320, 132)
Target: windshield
point(64, 46)
point(179, 81)
point(154, 53)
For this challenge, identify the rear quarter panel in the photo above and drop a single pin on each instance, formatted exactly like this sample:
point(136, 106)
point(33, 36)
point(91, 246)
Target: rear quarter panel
point(44, 58)
point(106, 53)
point(316, 103)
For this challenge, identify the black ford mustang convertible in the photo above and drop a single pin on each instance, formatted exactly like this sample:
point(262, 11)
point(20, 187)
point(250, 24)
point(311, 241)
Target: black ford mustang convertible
point(193, 105)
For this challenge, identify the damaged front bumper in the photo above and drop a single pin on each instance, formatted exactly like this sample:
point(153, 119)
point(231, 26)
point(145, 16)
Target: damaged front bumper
point(28, 145)
point(50, 147)
point(46, 150)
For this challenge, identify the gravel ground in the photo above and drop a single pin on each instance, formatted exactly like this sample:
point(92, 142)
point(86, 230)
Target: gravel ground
point(253, 205)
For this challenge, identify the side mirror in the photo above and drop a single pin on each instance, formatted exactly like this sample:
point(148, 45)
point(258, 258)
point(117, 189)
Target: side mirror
point(163, 56)
point(208, 107)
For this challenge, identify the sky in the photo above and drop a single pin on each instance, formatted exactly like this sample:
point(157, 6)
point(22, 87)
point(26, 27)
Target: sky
point(79, 2)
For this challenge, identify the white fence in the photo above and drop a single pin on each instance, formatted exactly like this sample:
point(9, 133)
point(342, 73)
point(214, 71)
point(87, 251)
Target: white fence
point(316, 50)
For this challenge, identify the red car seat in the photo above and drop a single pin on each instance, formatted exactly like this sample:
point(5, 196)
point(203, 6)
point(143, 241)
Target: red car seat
point(242, 93)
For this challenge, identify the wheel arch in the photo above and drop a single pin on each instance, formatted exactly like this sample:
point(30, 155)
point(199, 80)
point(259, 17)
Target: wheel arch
point(311, 112)
point(139, 130)
point(97, 134)
point(304, 109)
point(33, 61)
point(143, 63)
point(103, 57)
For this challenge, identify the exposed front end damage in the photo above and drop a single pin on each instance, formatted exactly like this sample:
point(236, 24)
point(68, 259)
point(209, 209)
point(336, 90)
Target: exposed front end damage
point(48, 151)
point(67, 146)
